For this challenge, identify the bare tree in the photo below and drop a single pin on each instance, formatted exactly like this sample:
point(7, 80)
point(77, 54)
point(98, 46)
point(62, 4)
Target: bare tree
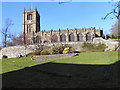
point(115, 11)
point(18, 40)
point(4, 31)
point(114, 30)
point(65, 1)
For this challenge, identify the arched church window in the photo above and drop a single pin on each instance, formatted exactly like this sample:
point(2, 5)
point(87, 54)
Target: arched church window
point(88, 37)
point(29, 17)
point(80, 37)
point(54, 38)
point(62, 38)
point(71, 37)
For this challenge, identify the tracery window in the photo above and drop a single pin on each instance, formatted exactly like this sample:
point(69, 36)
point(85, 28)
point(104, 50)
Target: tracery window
point(80, 37)
point(54, 38)
point(62, 38)
point(88, 37)
point(71, 37)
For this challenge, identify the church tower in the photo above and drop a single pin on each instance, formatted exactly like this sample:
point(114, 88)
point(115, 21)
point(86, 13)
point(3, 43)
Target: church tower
point(31, 21)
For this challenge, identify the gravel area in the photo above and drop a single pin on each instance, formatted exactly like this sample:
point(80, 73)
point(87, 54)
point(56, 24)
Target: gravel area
point(53, 57)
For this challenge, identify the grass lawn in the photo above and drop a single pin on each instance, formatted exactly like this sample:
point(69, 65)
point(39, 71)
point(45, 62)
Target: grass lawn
point(96, 69)
point(101, 58)
point(95, 58)
point(9, 64)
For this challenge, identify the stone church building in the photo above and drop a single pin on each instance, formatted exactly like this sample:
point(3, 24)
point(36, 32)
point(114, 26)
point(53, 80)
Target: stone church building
point(31, 27)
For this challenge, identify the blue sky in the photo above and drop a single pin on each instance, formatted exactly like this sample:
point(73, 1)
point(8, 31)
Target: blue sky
point(54, 15)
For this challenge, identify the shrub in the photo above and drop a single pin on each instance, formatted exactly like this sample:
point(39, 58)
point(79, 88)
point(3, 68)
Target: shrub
point(94, 47)
point(0, 48)
point(72, 50)
point(54, 50)
point(116, 47)
point(114, 37)
point(30, 54)
point(113, 49)
point(59, 49)
point(100, 47)
point(66, 50)
point(4, 56)
point(37, 52)
point(44, 52)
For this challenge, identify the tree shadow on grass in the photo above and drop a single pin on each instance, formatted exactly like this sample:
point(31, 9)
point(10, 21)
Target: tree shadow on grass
point(61, 75)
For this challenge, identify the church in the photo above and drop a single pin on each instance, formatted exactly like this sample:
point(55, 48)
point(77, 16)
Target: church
point(31, 27)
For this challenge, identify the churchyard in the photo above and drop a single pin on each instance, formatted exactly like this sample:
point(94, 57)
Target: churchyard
point(66, 56)
point(86, 70)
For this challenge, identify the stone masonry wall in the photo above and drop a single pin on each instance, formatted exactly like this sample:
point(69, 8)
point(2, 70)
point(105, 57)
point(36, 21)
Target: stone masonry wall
point(45, 35)
point(110, 43)
point(15, 51)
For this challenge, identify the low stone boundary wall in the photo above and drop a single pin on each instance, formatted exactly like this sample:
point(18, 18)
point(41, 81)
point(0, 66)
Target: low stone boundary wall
point(15, 51)
point(110, 43)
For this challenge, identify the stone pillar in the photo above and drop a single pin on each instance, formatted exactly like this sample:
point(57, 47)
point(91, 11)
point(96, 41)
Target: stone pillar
point(51, 31)
point(85, 29)
point(67, 37)
point(84, 37)
point(59, 36)
point(94, 32)
point(75, 35)
point(32, 38)
point(92, 36)
point(42, 32)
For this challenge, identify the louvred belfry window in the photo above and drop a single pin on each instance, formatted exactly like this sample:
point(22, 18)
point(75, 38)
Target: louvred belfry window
point(29, 17)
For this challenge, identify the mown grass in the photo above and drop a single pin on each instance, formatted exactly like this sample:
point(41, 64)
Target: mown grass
point(21, 62)
point(94, 58)
point(88, 70)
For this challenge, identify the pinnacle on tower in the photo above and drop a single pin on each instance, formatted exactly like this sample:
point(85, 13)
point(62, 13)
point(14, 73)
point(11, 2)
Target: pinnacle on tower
point(24, 9)
point(35, 7)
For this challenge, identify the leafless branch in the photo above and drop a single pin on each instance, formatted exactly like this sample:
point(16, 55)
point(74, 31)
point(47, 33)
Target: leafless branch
point(64, 2)
point(4, 31)
point(115, 12)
